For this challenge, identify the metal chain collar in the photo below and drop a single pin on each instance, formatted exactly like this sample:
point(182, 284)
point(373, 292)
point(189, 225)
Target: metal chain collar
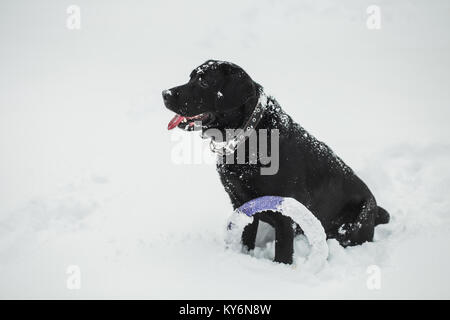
point(230, 146)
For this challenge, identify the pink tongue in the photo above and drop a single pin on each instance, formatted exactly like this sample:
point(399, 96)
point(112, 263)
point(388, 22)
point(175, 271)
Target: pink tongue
point(175, 121)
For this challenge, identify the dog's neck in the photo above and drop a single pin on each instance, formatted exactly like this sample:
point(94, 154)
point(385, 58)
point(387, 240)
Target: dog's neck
point(237, 120)
point(250, 105)
point(252, 117)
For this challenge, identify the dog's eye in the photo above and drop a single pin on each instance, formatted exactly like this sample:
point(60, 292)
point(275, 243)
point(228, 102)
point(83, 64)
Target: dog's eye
point(204, 84)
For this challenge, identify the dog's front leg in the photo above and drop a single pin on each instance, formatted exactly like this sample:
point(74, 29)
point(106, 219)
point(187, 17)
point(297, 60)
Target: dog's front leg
point(249, 234)
point(284, 234)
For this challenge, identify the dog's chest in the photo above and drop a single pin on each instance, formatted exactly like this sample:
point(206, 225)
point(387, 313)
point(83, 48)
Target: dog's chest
point(241, 182)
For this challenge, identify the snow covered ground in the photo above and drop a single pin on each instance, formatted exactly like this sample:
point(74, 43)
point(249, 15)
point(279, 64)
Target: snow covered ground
point(86, 172)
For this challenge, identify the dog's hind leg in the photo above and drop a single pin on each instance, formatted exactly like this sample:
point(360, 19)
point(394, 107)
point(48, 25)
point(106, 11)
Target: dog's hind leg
point(361, 229)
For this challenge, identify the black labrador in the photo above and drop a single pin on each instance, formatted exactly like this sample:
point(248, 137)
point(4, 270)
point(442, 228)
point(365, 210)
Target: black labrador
point(221, 95)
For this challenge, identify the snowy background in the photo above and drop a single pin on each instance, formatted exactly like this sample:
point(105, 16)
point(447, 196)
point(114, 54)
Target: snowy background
point(87, 177)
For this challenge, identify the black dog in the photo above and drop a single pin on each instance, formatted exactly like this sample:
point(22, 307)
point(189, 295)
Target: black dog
point(222, 96)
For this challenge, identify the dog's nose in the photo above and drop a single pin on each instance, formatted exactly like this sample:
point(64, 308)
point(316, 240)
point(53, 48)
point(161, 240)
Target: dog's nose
point(166, 94)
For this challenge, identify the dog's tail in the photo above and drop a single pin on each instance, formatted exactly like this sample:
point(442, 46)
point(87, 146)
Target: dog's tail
point(382, 216)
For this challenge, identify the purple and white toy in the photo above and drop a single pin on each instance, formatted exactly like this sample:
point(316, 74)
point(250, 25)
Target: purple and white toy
point(311, 226)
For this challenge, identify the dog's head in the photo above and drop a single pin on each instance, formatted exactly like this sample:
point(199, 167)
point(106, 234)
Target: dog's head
point(218, 94)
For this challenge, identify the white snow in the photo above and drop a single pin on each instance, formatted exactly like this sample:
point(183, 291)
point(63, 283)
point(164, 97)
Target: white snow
point(86, 176)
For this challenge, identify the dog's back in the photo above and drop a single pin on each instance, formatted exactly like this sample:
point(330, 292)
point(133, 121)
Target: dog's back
point(222, 96)
point(310, 172)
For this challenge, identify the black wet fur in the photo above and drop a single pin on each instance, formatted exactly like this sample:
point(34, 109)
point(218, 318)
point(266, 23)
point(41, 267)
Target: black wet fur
point(309, 170)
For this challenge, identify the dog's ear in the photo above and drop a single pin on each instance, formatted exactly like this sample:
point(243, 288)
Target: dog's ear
point(237, 94)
